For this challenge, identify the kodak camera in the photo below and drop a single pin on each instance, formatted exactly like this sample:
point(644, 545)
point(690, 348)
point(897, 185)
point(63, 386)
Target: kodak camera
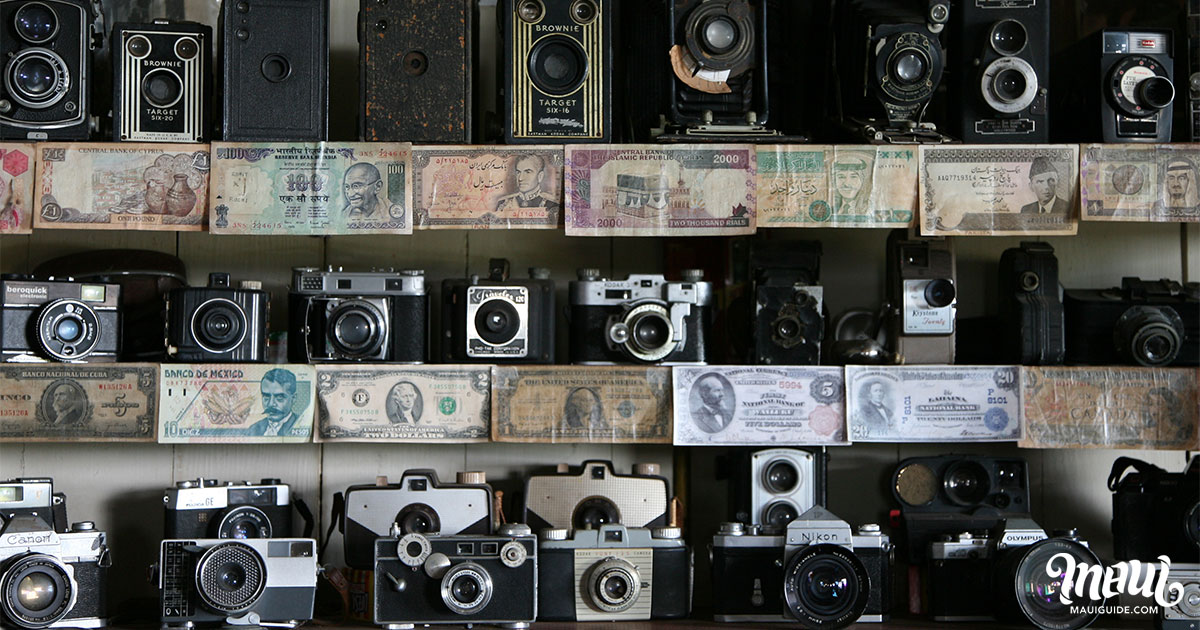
point(372, 317)
point(614, 573)
point(1142, 322)
point(461, 580)
point(1186, 614)
point(497, 319)
point(784, 483)
point(1031, 306)
point(1155, 512)
point(59, 320)
point(162, 82)
point(1136, 70)
point(34, 497)
point(204, 508)
point(921, 286)
point(272, 582)
point(595, 495)
point(817, 572)
point(788, 303)
point(217, 324)
point(50, 579)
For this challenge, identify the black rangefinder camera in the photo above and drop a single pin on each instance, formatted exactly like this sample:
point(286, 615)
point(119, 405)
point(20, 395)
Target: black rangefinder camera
point(1155, 512)
point(162, 82)
point(204, 508)
point(59, 320)
point(1141, 322)
point(217, 323)
point(497, 319)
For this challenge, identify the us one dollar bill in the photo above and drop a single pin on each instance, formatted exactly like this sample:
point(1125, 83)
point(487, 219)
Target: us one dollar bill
point(949, 403)
point(990, 190)
point(388, 403)
point(1151, 182)
point(655, 190)
point(122, 186)
point(235, 403)
point(487, 186)
point(311, 188)
point(57, 402)
point(16, 187)
point(1111, 407)
point(596, 404)
point(729, 406)
point(836, 186)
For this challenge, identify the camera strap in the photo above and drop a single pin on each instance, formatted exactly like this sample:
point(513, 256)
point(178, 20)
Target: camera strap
point(336, 519)
point(306, 514)
point(1147, 470)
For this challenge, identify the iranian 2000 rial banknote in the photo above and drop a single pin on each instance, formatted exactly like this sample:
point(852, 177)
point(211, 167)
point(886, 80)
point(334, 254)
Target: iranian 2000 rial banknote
point(56, 402)
point(235, 403)
point(487, 186)
point(1151, 182)
point(394, 403)
point(16, 187)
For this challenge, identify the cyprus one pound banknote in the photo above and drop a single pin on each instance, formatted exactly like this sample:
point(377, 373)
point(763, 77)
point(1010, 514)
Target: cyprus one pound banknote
point(242, 403)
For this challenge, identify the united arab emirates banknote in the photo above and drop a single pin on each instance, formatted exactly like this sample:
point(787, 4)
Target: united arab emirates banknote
point(390, 403)
point(311, 188)
point(121, 186)
point(655, 190)
point(999, 189)
point(843, 186)
point(950, 403)
point(16, 187)
point(487, 186)
point(729, 406)
point(235, 403)
point(1151, 182)
point(58, 402)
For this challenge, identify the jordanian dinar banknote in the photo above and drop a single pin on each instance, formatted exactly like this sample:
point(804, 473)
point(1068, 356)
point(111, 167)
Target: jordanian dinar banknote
point(16, 187)
point(395, 403)
point(936, 403)
point(655, 190)
point(1111, 407)
point(1151, 182)
point(487, 186)
point(121, 186)
point(235, 403)
point(826, 186)
point(311, 188)
point(999, 189)
point(730, 405)
point(61, 402)
point(597, 404)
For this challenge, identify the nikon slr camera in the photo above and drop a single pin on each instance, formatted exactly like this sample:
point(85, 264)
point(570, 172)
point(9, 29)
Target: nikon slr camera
point(1155, 512)
point(204, 508)
point(1153, 324)
point(498, 320)
point(53, 320)
point(218, 323)
point(594, 495)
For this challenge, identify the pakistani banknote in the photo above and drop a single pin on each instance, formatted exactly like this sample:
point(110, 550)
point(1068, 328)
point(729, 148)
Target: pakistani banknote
point(16, 187)
point(1150, 182)
point(61, 402)
point(395, 403)
point(933, 403)
point(654, 190)
point(729, 406)
point(596, 404)
point(999, 189)
point(311, 188)
point(235, 403)
point(122, 186)
point(487, 186)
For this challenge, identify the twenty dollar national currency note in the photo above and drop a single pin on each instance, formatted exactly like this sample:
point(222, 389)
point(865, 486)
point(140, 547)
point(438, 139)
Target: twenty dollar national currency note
point(66, 402)
point(235, 403)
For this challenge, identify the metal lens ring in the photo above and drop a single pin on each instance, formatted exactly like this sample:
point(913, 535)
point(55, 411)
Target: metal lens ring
point(513, 554)
point(614, 585)
point(497, 321)
point(37, 78)
point(230, 577)
point(1037, 593)
point(418, 518)
point(595, 511)
point(36, 590)
point(67, 330)
point(1009, 85)
point(219, 325)
point(781, 476)
point(908, 67)
point(413, 549)
point(466, 588)
point(162, 88)
point(649, 333)
point(720, 35)
point(36, 23)
point(558, 65)
point(778, 514)
point(356, 328)
point(1008, 37)
point(1148, 335)
point(245, 521)
point(966, 482)
point(826, 586)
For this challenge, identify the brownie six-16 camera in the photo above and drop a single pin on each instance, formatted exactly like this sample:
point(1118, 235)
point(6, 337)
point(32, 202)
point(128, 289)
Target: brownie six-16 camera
point(593, 495)
point(1141, 322)
point(204, 508)
point(217, 324)
point(162, 82)
point(497, 319)
point(1155, 512)
point(53, 320)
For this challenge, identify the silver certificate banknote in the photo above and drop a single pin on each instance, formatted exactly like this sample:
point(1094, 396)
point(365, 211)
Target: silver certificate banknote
point(16, 187)
point(1152, 182)
point(56, 402)
point(235, 403)
point(487, 186)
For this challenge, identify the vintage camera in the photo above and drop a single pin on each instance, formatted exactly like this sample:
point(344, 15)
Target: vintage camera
point(558, 58)
point(498, 320)
point(788, 303)
point(921, 289)
point(59, 320)
point(1186, 614)
point(1031, 306)
point(1136, 70)
point(33, 497)
point(204, 508)
point(216, 582)
point(784, 483)
point(1141, 322)
point(344, 316)
point(817, 572)
point(594, 495)
point(1155, 512)
point(217, 324)
point(419, 504)
point(614, 573)
point(50, 579)
point(162, 82)
point(464, 579)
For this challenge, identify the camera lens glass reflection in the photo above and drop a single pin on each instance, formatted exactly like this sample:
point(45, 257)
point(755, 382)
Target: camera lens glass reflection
point(162, 88)
point(465, 589)
point(720, 34)
point(1009, 85)
point(967, 483)
point(827, 586)
point(780, 514)
point(232, 577)
point(909, 67)
point(1009, 37)
point(616, 587)
point(35, 77)
point(1038, 593)
point(36, 591)
point(939, 293)
point(557, 65)
point(593, 512)
point(219, 325)
point(497, 321)
point(36, 23)
point(782, 477)
point(68, 329)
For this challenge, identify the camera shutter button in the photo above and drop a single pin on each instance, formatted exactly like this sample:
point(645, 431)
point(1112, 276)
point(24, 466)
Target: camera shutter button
point(588, 273)
point(472, 477)
point(647, 469)
point(514, 529)
point(670, 533)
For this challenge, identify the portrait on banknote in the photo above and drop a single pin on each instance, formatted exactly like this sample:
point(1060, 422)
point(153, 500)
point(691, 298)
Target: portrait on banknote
point(1178, 186)
point(64, 404)
point(876, 405)
point(530, 180)
point(278, 391)
point(405, 404)
point(361, 186)
point(583, 409)
point(712, 401)
point(1044, 181)
point(851, 181)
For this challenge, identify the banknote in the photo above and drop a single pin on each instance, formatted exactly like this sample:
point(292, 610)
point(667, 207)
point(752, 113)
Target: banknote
point(16, 187)
point(121, 186)
point(939, 403)
point(729, 405)
point(245, 403)
point(67, 402)
point(311, 188)
point(1111, 407)
point(653, 190)
point(397, 403)
point(487, 186)
point(999, 189)
point(828, 186)
point(597, 404)
point(1150, 182)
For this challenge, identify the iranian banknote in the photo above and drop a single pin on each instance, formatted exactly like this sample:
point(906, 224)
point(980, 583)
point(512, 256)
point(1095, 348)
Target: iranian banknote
point(235, 403)
point(311, 188)
point(58, 402)
point(827, 186)
point(1150, 182)
point(999, 189)
point(121, 186)
point(16, 187)
point(654, 190)
point(487, 186)
point(728, 406)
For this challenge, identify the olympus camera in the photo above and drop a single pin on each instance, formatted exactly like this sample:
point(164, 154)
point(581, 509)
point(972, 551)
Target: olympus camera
point(1155, 512)
point(162, 82)
point(217, 324)
point(817, 572)
point(498, 320)
point(921, 286)
point(1186, 614)
point(34, 496)
point(595, 495)
point(788, 303)
point(341, 316)
point(204, 508)
point(614, 573)
point(53, 320)
point(50, 579)
point(1142, 322)
point(1031, 306)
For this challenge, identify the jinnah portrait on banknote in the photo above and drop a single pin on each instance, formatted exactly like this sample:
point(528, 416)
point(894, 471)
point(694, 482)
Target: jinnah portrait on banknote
point(583, 410)
point(1043, 182)
point(66, 404)
point(712, 401)
point(278, 389)
point(852, 184)
point(405, 403)
point(361, 185)
point(1179, 186)
point(531, 179)
point(875, 410)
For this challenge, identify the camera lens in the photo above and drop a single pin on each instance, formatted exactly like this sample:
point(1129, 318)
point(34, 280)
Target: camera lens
point(1149, 336)
point(162, 88)
point(418, 518)
point(466, 589)
point(35, 76)
point(242, 522)
point(186, 48)
point(35, 591)
point(782, 477)
point(593, 512)
point(583, 11)
point(1156, 92)
point(218, 325)
point(826, 585)
point(614, 585)
point(1022, 575)
point(356, 328)
point(1009, 85)
point(1009, 37)
point(787, 328)
point(137, 46)
point(68, 330)
point(650, 332)
point(779, 514)
point(939, 293)
point(916, 484)
point(720, 34)
point(36, 23)
point(497, 322)
point(966, 483)
point(557, 65)
point(530, 10)
point(909, 67)
point(230, 577)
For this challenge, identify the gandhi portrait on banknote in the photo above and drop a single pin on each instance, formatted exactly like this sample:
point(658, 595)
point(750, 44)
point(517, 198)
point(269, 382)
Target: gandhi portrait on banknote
point(531, 177)
point(583, 410)
point(362, 185)
point(1179, 185)
point(851, 184)
point(875, 407)
point(64, 403)
point(278, 390)
point(712, 401)
point(405, 403)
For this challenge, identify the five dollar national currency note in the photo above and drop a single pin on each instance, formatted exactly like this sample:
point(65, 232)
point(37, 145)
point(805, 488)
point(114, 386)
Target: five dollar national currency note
point(60, 402)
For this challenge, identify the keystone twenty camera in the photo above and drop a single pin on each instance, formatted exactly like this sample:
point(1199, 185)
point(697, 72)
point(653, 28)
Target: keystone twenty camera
point(1145, 323)
point(217, 324)
point(788, 299)
point(162, 82)
point(594, 495)
point(1155, 512)
point(50, 579)
point(205, 509)
point(1031, 306)
point(53, 320)
point(921, 281)
point(498, 320)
